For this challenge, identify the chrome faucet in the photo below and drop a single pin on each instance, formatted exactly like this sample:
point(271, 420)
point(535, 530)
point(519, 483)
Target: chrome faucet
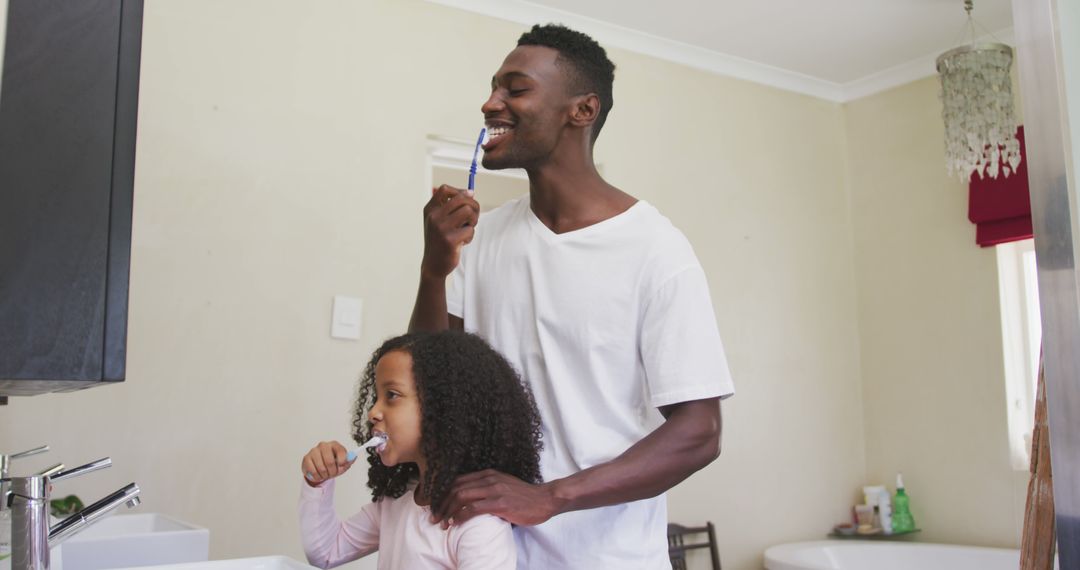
point(31, 535)
point(5, 464)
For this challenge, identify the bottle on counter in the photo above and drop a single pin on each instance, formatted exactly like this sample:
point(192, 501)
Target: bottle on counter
point(885, 513)
point(902, 520)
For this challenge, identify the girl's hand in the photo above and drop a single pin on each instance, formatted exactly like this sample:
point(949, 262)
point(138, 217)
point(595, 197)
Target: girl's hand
point(325, 461)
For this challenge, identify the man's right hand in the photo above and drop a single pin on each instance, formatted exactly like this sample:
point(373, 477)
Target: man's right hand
point(450, 219)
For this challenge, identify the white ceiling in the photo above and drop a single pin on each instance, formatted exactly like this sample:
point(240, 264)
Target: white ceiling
point(834, 49)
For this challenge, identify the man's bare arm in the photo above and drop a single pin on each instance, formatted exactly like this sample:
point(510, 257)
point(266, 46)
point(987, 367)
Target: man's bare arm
point(450, 219)
point(688, 440)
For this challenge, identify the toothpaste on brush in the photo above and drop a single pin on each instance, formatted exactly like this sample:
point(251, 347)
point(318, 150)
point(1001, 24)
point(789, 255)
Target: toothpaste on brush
point(377, 441)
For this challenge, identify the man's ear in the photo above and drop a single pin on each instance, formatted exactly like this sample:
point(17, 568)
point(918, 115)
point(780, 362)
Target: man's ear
point(585, 110)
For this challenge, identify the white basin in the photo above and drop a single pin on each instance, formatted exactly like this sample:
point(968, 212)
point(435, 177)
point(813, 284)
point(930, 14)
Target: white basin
point(260, 563)
point(143, 539)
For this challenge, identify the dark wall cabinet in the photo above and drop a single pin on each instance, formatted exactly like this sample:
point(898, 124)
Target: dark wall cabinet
point(68, 107)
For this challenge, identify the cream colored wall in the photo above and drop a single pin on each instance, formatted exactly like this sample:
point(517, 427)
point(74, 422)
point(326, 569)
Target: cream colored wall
point(754, 177)
point(929, 326)
point(280, 162)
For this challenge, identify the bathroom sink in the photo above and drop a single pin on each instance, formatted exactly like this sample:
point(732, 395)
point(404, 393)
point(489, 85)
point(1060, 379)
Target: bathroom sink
point(143, 539)
point(260, 563)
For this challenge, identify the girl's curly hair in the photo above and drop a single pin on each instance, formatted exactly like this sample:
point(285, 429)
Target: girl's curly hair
point(475, 414)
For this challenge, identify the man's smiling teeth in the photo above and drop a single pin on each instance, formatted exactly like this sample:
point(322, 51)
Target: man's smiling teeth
point(494, 132)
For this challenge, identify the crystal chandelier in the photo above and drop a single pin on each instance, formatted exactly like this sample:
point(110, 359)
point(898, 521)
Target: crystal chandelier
point(977, 107)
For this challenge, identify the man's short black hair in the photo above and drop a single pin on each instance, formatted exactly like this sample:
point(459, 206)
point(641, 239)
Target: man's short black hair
point(590, 70)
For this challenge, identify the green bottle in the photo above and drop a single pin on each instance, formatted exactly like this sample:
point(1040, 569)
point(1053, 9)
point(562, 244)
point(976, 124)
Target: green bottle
point(901, 517)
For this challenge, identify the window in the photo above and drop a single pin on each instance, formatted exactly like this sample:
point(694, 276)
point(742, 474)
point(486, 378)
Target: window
point(1021, 328)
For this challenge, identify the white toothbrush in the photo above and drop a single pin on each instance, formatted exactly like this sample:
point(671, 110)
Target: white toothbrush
point(376, 440)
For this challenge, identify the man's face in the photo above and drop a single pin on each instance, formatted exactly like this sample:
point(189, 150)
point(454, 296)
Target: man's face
point(527, 109)
point(396, 412)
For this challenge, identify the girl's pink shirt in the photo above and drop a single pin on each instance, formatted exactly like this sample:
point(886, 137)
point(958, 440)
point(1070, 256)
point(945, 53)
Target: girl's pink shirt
point(401, 531)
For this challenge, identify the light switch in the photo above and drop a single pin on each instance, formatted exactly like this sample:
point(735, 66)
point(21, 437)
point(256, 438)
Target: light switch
point(345, 322)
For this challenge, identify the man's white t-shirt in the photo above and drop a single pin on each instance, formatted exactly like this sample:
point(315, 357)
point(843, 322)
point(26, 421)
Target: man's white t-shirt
point(606, 324)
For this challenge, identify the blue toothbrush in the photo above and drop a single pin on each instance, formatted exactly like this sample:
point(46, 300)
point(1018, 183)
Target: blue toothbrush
point(476, 152)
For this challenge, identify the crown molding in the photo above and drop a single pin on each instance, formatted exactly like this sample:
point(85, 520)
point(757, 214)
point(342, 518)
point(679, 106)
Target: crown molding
point(612, 35)
point(913, 70)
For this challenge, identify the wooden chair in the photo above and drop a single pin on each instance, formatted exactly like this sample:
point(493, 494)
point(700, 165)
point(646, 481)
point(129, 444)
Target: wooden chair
point(678, 544)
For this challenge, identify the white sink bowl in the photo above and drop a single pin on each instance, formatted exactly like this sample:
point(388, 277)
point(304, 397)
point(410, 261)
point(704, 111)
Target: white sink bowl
point(260, 563)
point(143, 539)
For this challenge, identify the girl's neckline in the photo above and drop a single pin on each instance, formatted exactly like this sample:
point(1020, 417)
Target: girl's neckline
point(415, 498)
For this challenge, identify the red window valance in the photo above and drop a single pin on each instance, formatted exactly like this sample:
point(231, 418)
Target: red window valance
point(1000, 207)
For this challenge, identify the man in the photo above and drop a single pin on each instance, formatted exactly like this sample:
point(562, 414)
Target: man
point(597, 300)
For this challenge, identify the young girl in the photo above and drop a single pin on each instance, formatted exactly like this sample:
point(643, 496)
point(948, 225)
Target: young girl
point(448, 405)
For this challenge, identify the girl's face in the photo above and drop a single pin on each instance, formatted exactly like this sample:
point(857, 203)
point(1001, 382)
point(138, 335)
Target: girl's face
point(397, 410)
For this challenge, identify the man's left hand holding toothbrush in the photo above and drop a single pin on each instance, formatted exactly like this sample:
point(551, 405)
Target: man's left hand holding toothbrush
point(450, 219)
